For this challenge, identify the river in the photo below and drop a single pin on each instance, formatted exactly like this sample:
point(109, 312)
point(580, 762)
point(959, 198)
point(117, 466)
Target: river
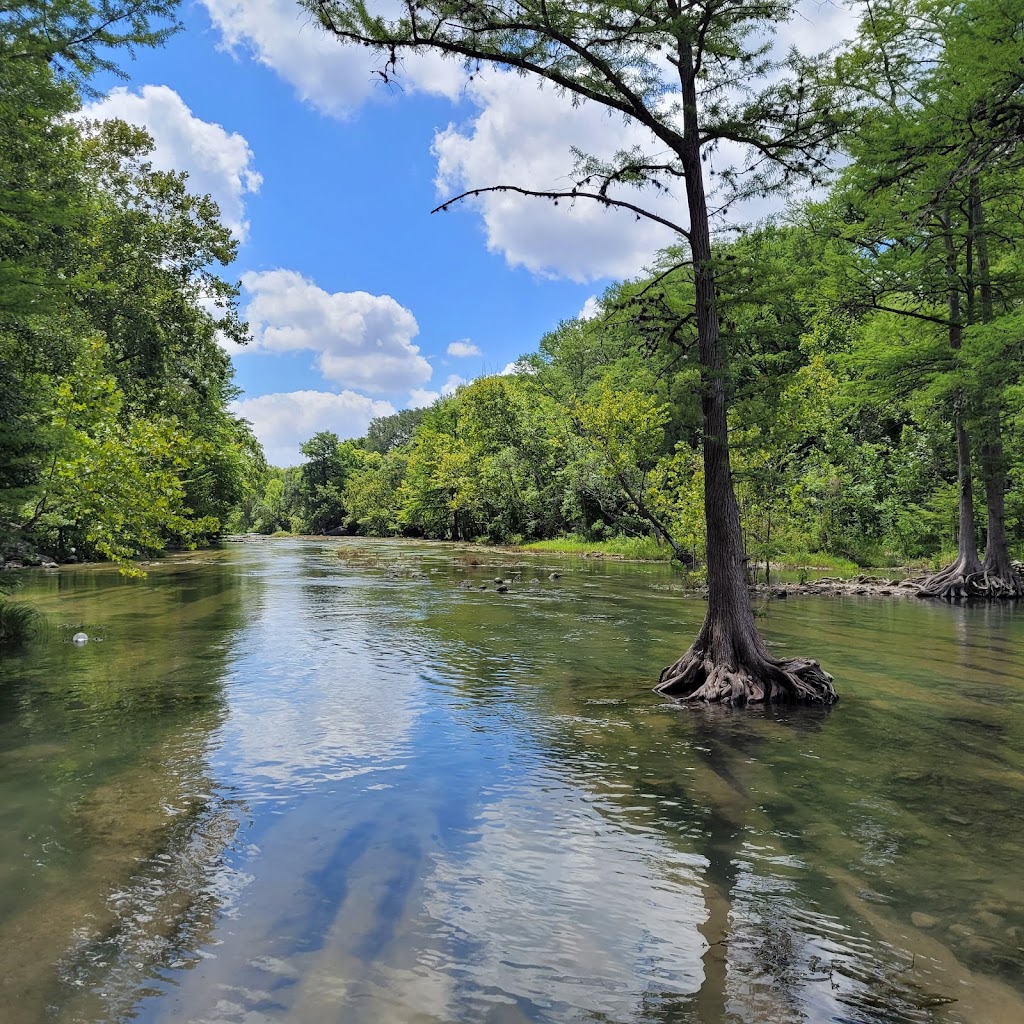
point(309, 781)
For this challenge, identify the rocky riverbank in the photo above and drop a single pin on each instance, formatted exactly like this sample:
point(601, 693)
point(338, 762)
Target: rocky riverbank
point(858, 586)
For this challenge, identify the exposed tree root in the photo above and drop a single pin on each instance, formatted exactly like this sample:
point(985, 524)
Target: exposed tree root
point(757, 679)
point(969, 579)
point(1003, 577)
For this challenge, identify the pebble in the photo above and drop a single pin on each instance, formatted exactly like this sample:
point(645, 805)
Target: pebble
point(920, 920)
point(976, 944)
point(991, 921)
point(870, 896)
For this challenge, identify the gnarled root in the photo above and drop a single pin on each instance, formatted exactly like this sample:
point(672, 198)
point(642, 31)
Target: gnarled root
point(1002, 578)
point(696, 677)
point(959, 581)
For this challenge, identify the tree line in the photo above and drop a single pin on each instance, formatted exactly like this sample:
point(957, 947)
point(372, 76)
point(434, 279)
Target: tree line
point(842, 425)
point(115, 434)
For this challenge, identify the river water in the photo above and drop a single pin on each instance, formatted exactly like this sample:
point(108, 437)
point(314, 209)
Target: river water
point(309, 782)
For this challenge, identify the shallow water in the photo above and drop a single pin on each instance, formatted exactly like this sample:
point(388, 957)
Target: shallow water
point(282, 785)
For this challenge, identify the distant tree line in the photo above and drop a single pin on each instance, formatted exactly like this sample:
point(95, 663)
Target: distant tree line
point(843, 418)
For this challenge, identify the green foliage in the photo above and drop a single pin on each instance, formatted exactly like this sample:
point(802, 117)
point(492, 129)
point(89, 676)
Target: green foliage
point(840, 434)
point(645, 549)
point(114, 481)
point(77, 37)
point(19, 622)
point(115, 435)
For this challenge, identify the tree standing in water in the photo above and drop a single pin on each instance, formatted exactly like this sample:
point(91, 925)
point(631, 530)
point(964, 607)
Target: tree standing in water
point(700, 76)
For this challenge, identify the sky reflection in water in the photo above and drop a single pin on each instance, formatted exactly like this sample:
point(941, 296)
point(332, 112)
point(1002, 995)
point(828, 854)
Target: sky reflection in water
point(383, 797)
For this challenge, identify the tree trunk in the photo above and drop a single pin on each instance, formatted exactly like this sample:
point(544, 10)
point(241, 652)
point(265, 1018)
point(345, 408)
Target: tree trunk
point(999, 577)
point(728, 662)
point(961, 579)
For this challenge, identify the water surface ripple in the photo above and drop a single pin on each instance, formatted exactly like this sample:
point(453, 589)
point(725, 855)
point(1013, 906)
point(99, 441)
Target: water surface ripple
point(311, 782)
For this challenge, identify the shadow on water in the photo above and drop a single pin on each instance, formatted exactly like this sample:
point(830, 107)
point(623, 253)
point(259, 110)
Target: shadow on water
point(464, 805)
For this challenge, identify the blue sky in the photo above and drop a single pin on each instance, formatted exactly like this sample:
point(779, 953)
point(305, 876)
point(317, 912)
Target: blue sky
point(361, 301)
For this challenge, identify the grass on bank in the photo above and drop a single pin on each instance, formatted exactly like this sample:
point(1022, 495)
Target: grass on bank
point(19, 622)
point(647, 549)
point(638, 548)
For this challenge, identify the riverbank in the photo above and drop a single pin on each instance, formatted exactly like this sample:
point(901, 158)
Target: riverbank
point(859, 586)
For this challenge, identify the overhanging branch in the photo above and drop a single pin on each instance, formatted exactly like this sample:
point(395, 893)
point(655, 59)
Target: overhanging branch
point(572, 194)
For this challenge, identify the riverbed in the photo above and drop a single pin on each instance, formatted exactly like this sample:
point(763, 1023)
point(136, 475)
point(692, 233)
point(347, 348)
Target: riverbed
point(316, 781)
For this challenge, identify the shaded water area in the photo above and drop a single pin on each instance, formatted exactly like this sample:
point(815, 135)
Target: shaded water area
point(281, 785)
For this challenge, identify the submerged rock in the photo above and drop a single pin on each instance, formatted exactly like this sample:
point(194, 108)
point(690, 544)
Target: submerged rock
point(870, 896)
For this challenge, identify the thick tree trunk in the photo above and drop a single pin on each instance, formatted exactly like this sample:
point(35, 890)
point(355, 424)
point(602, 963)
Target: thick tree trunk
point(968, 576)
point(960, 579)
point(999, 578)
point(728, 662)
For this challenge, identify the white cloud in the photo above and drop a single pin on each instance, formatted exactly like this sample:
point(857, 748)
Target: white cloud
point(335, 78)
point(463, 349)
point(591, 308)
point(218, 162)
point(513, 368)
point(285, 420)
point(522, 136)
point(519, 135)
point(818, 25)
point(420, 397)
point(361, 340)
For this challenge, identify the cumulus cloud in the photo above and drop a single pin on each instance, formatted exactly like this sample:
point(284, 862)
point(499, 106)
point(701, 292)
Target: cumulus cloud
point(522, 136)
point(334, 78)
point(463, 349)
point(591, 308)
point(360, 340)
point(517, 135)
point(285, 420)
point(420, 397)
point(218, 162)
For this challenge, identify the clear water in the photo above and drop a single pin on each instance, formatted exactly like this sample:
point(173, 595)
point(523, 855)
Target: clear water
point(285, 786)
